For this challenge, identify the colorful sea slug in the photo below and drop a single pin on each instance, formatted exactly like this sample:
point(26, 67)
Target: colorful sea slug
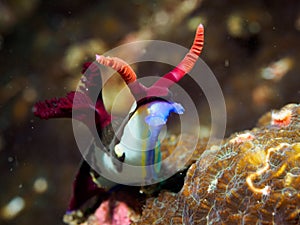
point(149, 113)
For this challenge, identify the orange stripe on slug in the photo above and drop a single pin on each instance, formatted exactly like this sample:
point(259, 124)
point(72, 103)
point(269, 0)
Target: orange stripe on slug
point(119, 65)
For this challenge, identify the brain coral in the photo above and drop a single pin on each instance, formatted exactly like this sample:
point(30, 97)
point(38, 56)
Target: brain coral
point(253, 178)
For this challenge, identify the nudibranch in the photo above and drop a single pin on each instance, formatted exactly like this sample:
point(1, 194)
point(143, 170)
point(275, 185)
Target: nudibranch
point(136, 140)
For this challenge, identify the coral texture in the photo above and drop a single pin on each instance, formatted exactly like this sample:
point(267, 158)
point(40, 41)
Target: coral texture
point(253, 178)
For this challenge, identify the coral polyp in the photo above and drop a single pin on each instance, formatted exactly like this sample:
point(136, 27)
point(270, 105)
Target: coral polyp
point(253, 181)
point(282, 118)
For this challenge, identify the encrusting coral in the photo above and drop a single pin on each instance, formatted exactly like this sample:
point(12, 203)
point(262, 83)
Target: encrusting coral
point(253, 178)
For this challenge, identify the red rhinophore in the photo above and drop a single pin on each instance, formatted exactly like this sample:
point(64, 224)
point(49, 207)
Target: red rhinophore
point(187, 63)
point(161, 87)
point(119, 65)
